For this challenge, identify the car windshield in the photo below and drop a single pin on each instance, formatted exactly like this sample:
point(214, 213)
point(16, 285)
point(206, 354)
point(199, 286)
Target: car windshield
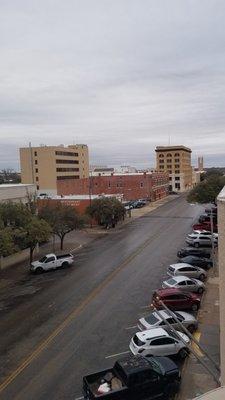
point(179, 316)
point(138, 341)
point(43, 259)
point(151, 319)
point(155, 365)
point(172, 282)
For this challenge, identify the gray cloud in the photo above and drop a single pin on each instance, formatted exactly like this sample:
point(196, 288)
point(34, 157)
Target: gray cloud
point(121, 76)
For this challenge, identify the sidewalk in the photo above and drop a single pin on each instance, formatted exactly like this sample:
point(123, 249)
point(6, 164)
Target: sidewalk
point(195, 379)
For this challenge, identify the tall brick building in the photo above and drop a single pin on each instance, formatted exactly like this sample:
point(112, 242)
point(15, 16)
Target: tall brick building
point(150, 186)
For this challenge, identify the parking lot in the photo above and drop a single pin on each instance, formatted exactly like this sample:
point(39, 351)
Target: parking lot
point(81, 320)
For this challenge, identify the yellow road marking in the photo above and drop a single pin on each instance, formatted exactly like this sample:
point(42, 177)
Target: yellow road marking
point(74, 314)
point(195, 347)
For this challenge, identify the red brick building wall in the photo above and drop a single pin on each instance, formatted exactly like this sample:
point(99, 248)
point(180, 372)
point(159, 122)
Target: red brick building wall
point(132, 187)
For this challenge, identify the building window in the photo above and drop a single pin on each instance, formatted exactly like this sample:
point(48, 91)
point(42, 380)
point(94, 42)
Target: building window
point(61, 178)
point(177, 171)
point(35, 154)
point(177, 178)
point(170, 178)
point(161, 161)
point(177, 155)
point(161, 167)
point(66, 169)
point(58, 161)
point(109, 185)
point(170, 171)
point(177, 185)
point(37, 187)
point(177, 160)
point(35, 162)
point(36, 170)
point(161, 155)
point(177, 166)
point(37, 179)
point(141, 185)
point(169, 155)
point(66, 153)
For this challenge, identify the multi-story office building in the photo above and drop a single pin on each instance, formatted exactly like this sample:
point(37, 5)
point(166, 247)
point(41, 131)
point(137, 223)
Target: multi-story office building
point(46, 165)
point(175, 160)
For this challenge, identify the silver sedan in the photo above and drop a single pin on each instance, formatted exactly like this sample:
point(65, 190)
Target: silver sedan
point(185, 269)
point(185, 284)
point(156, 320)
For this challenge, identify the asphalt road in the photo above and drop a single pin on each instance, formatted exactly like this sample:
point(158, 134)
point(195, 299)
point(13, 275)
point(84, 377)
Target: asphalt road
point(64, 324)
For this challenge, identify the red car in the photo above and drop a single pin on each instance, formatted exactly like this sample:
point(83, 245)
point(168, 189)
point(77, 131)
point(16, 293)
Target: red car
point(205, 226)
point(175, 299)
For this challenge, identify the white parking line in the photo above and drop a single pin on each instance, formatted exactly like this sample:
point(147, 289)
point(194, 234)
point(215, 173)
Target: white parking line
point(79, 398)
point(131, 327)
point(118, 354)
point(145, 307)
point(71, 251)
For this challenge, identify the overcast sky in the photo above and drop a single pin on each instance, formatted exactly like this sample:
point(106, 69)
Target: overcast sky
point(120, 75)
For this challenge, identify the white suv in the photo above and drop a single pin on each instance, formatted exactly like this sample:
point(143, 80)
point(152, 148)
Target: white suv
point(201, 238)
point(158, 342)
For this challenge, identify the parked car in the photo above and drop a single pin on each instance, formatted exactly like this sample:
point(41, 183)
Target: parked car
point(184, 283)
point(190, 251)
point(176, 299)
point(201, 238)
point(205, 226)
point(201, 262)
point(51, 261)
point(154, 320)
point(134, 378)
point(206, 218)
point(186, 270)
point(159, 342)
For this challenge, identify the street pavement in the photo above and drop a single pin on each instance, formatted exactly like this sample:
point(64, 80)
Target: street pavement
point(64, 324)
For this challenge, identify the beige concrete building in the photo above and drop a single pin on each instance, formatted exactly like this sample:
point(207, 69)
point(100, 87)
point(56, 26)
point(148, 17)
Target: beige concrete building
point(221, 262)
point(176, 160)
point(16, 192)
point(45, 165)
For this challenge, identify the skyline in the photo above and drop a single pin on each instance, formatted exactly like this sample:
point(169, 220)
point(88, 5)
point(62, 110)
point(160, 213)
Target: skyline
point(120, 77)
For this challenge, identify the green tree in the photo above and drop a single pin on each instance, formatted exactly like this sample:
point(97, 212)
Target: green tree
point(14, 215)
point(207, 190)
point(7, 246)
point(106, 211)
point(35, 231)
point(63, 219)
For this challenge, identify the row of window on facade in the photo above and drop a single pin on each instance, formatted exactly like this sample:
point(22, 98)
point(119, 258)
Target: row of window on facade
point(62, 153)
point(169, 155)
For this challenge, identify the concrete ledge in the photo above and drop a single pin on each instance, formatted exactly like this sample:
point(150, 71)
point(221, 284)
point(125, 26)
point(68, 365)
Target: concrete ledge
point(6, 262)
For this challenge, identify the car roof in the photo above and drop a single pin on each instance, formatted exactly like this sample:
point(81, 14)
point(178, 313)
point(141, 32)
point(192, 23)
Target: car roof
point(152, 333)
point(161, 314)
point(180, 265)
point(180, 278)
point(169, 291)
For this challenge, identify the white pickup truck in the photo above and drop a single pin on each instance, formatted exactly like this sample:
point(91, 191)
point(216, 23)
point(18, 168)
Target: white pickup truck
point(51, 261)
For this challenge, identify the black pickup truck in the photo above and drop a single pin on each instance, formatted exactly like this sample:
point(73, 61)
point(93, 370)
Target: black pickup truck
point(134, 378)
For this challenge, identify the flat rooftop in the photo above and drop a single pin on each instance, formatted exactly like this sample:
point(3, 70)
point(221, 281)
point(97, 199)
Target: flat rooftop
point(172, 148)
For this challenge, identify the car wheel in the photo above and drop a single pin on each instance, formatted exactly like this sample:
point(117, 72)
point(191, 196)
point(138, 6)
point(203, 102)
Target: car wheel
point(65, 264)
point(191, 328)
point(196, 244)
point(183, 353)
point(202, 277)
point(194, 307)
point(200, 290)
point(39, 270)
